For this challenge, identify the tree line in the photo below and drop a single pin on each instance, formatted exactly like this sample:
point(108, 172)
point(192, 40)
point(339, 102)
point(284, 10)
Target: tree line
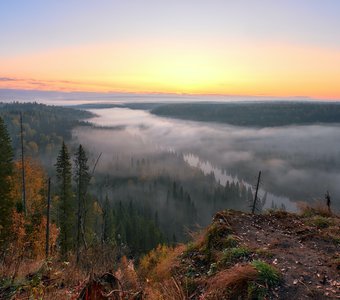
point(79, 221)
point(45, 127)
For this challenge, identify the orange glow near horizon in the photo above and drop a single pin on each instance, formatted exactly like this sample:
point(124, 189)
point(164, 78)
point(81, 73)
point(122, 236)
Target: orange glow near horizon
point(234, 68)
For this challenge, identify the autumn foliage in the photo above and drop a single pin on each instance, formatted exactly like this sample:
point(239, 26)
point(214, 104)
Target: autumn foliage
point(35, 185)
point(27, 234)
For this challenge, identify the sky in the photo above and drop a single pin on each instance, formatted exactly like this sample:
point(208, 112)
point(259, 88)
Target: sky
point(283, 48)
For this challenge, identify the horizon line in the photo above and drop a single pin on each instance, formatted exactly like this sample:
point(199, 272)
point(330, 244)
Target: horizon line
point(169, 94)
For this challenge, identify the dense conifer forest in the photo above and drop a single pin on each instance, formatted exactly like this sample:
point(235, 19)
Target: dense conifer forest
point(262, 114)
point(44, 127)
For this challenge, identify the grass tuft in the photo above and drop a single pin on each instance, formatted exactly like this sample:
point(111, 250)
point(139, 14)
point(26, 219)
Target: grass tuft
point(264, 253)
point(230, 283)
point(267, 274)
point(234, 254)
point(316, 209)
point(230, 242)
point(320, 222)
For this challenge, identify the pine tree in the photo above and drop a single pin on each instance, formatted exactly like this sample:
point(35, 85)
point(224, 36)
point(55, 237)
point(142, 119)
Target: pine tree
point(174, 190)
point(82, 179)
point(6, 170)
point(108, 222)
point(67, 205)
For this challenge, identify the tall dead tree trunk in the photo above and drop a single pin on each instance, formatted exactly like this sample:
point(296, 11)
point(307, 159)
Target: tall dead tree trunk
point(79, 219)
point(256, 193)
point(328, 201)
point(48, 218)
point(23, 167)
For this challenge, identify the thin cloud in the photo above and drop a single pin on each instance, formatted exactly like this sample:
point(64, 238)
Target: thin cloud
point(7, 79)
point(32, 83)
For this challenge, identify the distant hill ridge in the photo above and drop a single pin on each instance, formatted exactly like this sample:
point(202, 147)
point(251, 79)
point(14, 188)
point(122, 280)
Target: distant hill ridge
point(255, 114)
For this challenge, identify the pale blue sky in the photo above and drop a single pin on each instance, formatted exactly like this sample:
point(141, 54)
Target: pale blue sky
point(28, 26)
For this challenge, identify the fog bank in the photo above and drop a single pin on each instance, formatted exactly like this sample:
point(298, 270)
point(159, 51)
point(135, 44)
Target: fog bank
point(298, 162)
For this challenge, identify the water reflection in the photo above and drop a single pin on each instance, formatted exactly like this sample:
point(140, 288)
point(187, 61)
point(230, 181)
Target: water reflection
point(222, 177)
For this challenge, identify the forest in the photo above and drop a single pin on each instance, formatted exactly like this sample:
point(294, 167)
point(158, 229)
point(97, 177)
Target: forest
point(132, 203)
point(246, 114)
point(130, 181)
point(69, 210)
point(263, 114)
point(44, 126)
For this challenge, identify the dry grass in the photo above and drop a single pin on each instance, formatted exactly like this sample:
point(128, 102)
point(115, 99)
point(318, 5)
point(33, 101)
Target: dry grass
point(98, 259)
point(127, 275)
point(159, 265)
point(70, 275)
point(156, 265)
point(198, 237)
point(230, 283)
point(216, 235)
point(169, 289)
point(317, 208)
point(43, 280)
point(26, 266)
point(279, 214)
point(161, 270)
point(318, 216)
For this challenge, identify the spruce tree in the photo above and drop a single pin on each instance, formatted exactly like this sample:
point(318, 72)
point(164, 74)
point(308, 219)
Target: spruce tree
point(82, 179)
point(6, 171)
point(67, 205)
point(108, 225)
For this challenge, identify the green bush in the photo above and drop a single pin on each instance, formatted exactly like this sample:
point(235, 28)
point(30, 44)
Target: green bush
point(264, 253)
point(256, 291)
point(233, 254)
point(320, 222)
point(268, 275)
point(230, 242)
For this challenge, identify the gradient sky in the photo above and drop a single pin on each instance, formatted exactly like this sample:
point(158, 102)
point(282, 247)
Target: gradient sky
point(281, 48)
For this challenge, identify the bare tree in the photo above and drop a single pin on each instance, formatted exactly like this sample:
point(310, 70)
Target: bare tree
point(256, 194)
point(23, 167)
point(328, 201)
point(48, 218)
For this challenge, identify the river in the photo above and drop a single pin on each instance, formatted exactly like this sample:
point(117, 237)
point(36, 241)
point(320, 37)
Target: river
point(298, 163)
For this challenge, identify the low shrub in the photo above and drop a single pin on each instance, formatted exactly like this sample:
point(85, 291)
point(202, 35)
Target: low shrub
point(320, 222)
point(233, 254)
point(267, 275)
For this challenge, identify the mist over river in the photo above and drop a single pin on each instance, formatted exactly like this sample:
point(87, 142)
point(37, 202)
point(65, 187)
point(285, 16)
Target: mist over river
point(298, 163)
